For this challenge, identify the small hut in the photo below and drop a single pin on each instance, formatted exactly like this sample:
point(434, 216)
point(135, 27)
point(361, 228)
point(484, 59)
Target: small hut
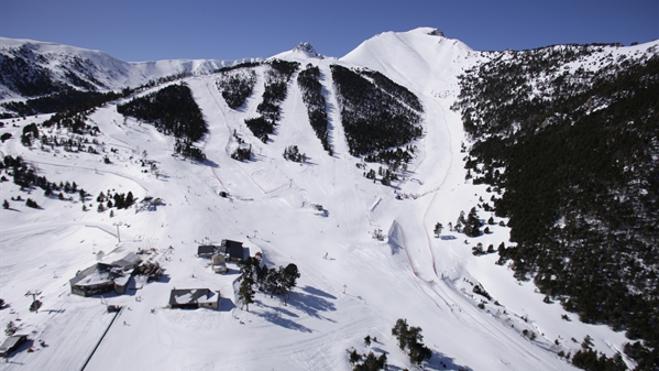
point(235, 250)
point(207, 251)
point(194, 298)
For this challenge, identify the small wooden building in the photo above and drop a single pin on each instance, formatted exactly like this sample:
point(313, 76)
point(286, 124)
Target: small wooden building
point(94, 280)
point(235, 250)
point(102, 278)
point(194, 298)
point(207, 251)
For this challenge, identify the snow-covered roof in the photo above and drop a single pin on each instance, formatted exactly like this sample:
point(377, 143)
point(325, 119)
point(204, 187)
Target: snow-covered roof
point(127, 262)
point(92, 276)
point(193, 296)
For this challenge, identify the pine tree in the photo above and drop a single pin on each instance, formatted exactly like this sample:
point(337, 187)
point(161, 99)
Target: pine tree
point(31, 203)
point(372, 363)
point(290, 275)
point(270, 281)
point(460, 223)
point(400, 332)
point(246, 292)
point(410, 339)
point(438, 229)
point(130, 200)
point(473, 224)
point(354, 356)
point(5, 205)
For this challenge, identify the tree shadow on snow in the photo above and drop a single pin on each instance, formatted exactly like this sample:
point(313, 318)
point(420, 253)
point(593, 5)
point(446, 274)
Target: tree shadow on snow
point(439, 361)
point(311, 300)
point(448, 237)
point(207, 162)
point(318, 292)
point(276, 318)
point(277, 309)
point(163, 278)
point(312, 304)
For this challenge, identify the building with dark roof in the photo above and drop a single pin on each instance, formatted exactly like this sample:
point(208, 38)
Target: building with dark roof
point(194, 298)
point(235, 250)
point(102, 278)
point(207, 251)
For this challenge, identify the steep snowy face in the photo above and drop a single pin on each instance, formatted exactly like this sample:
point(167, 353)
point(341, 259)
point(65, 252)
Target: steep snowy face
point(422, 59)
point(32, 68)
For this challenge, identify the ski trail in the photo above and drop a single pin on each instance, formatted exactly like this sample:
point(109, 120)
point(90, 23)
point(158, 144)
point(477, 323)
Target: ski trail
point(337, 134)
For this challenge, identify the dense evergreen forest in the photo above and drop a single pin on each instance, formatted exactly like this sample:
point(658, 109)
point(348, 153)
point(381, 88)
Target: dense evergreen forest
point(376, 121)
point(66, 100)
point(173, 111)
point(575, 150)
point(236, 85)
point(19, 73)
point(398, 91)
point(25, 176)
point(312, 95)
point(276, 86)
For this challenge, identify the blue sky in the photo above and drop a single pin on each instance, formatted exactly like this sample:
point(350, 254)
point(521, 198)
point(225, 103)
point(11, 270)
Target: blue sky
point(142, 30)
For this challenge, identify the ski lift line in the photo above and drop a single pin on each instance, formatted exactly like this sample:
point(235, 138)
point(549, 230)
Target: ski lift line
point(98, 343)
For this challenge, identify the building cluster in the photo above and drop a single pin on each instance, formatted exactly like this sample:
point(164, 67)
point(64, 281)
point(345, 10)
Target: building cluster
point(227, 250)
point(114, 277)
point(219, 255)
point(102, 278)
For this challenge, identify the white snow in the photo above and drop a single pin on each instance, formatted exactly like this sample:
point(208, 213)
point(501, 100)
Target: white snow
point(112, 73)
point(359, 289)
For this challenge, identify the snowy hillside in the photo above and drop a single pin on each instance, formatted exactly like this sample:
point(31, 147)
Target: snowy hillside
point(366, 252)
point(29, 68)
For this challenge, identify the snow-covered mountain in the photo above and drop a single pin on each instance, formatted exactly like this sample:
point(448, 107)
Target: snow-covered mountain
point(30, 68)
point(365, 250)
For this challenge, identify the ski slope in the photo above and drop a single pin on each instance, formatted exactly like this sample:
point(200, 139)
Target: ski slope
point(360, 289)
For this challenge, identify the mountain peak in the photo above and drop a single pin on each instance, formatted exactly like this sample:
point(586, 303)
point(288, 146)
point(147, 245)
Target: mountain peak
point(428, 31)
point(301, 52)
point(306, 48)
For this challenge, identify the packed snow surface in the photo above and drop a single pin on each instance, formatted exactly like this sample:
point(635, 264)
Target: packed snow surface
point(351, 284)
